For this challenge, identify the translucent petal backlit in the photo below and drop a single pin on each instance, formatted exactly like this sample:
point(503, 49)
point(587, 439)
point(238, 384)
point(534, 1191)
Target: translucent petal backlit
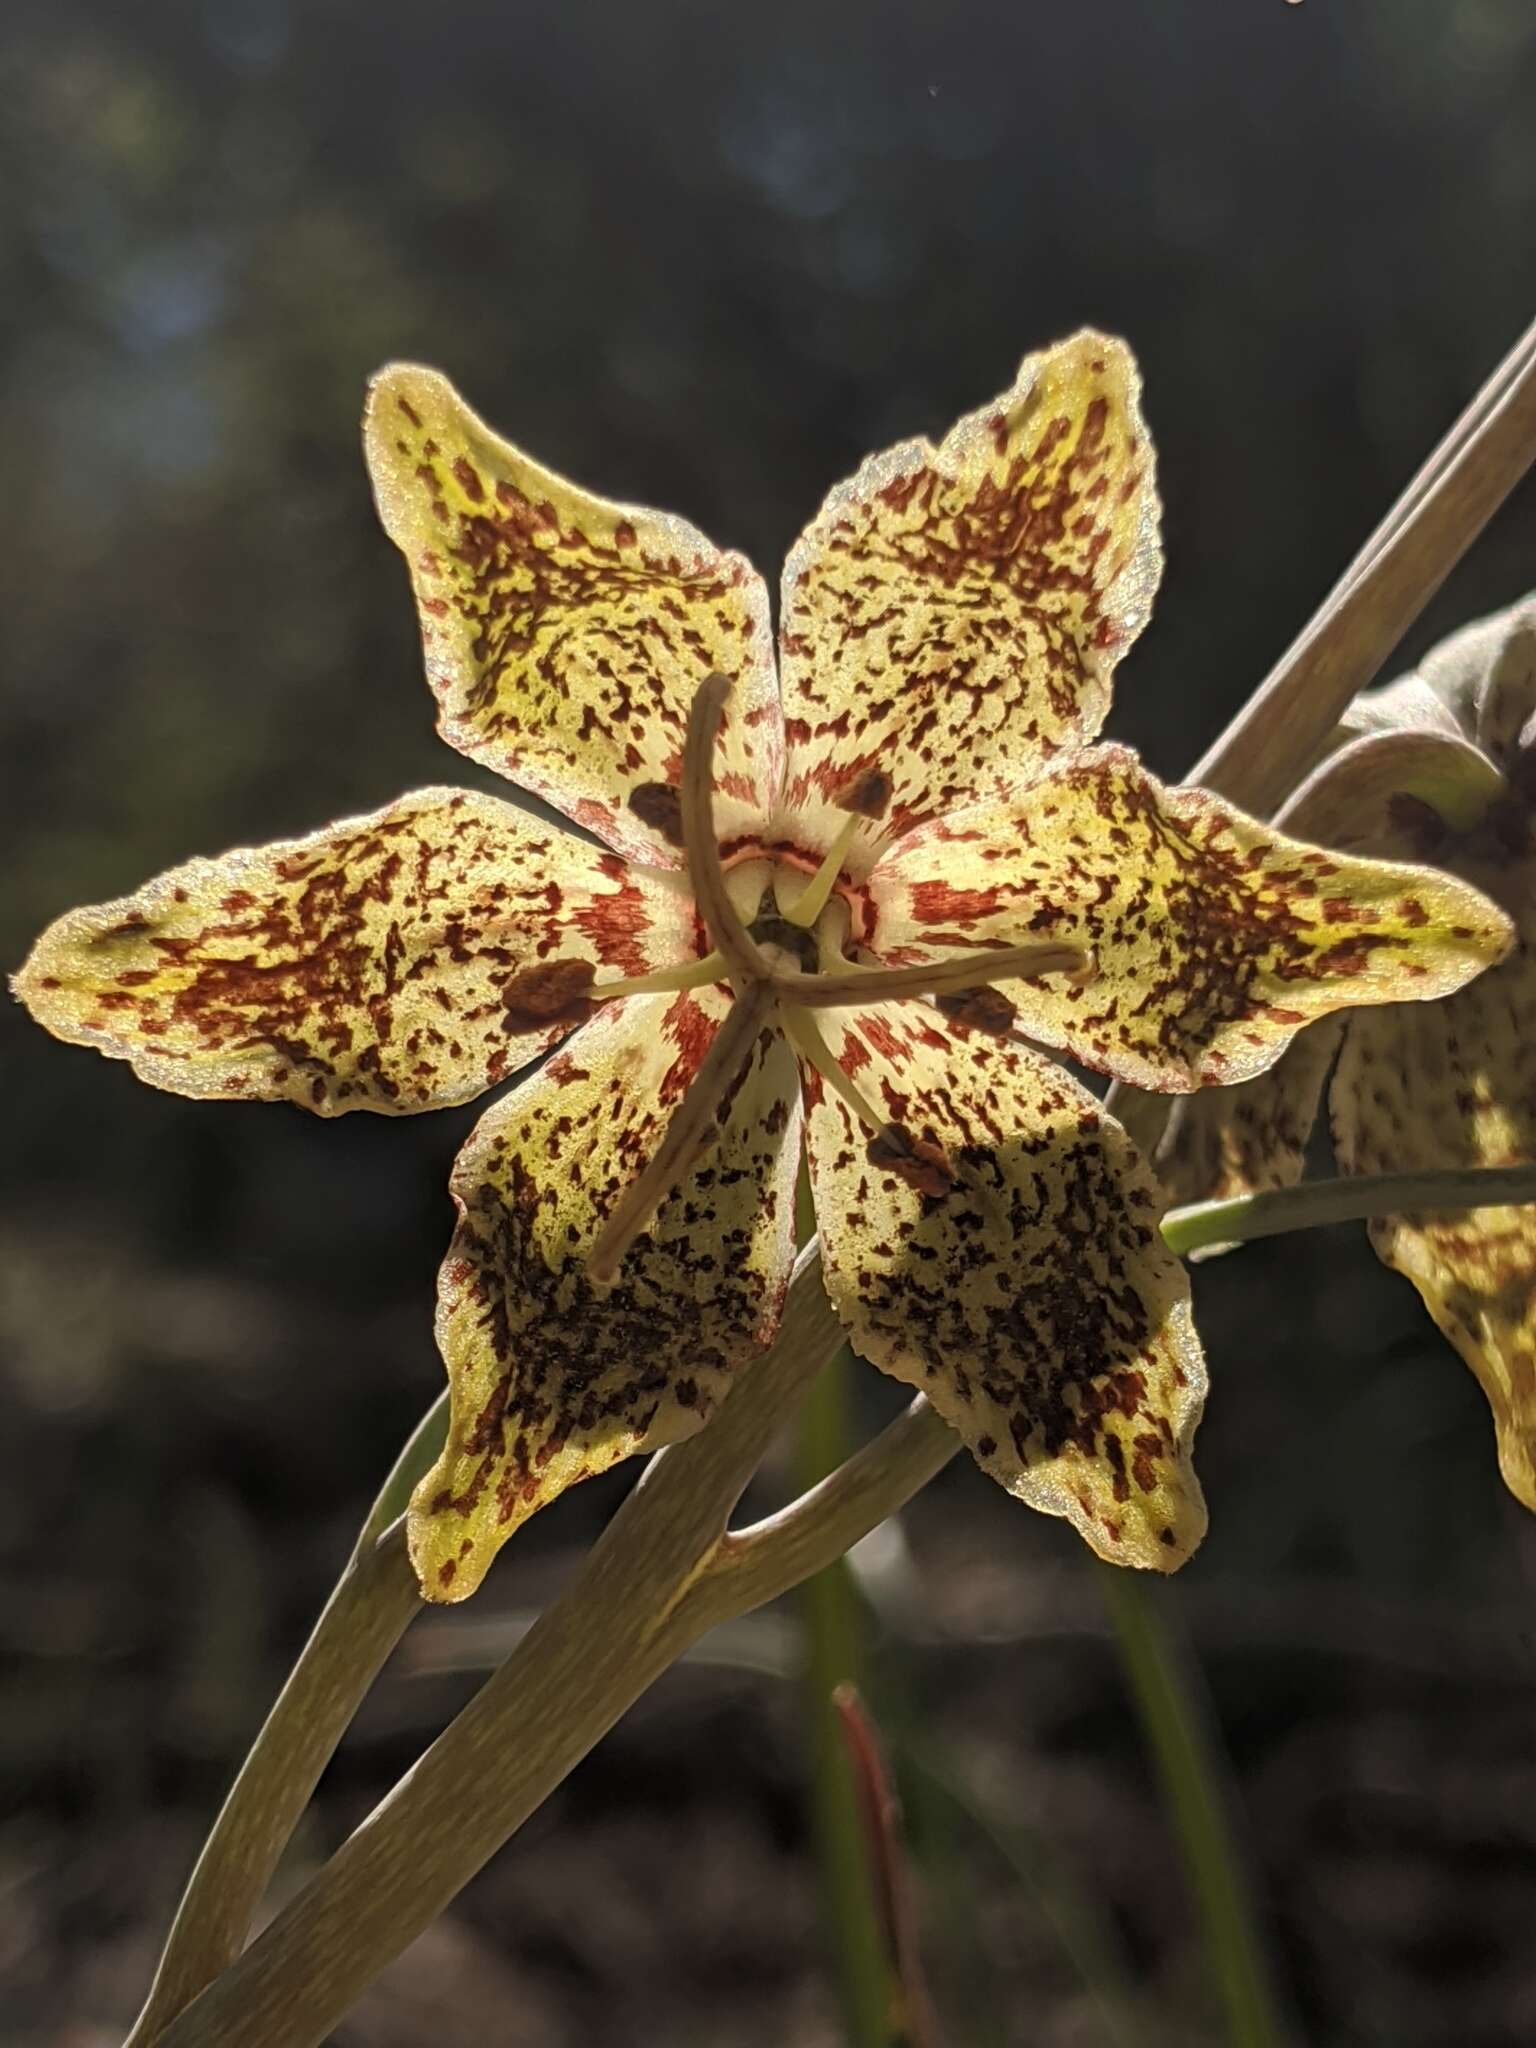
point(1033, 1301)
point(1215, 938)
point(953, 615)
point(552, 1378)
point(565, 636)
point(368, 966)
point(1455, 1085)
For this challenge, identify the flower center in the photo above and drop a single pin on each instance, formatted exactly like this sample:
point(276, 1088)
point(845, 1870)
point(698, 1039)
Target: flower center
point(773, 966)
point(770, 928)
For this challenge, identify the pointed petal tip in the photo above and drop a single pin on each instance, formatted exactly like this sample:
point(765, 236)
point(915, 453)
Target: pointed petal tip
point(1157, 1529)
point(538, 603)
point(324, 970)
point(449, 1566)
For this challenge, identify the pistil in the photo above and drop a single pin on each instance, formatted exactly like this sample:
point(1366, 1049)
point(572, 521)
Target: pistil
point(696, 1122)
point(693, 1129)
point(699, 842)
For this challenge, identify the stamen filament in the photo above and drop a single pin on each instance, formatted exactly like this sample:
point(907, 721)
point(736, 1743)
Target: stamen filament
point(812, 900)
point(699, 842)
point(804, 1034)
point(967, 970)
point(691, 974)
point(694, 1128)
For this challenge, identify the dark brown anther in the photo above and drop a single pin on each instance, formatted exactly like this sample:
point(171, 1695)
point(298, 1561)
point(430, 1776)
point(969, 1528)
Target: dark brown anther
point(554, 993)
point(917, 1161)
point(660, 806)
point(866, 793)
point(979, 1009)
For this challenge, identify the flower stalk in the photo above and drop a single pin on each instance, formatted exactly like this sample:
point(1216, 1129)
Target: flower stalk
point(372, 1605)
point(1351, 1199)
point(1445, 506)
point(664, 1572)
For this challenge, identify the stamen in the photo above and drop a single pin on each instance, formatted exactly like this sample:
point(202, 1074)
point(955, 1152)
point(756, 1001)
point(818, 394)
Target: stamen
point(918, 1161)
point(804, 1034)
point(812, 900)
point(699, 841)
point(694, 1128)
point(866, 792)
point(659, 805)
point(554, 992)
point(965, 971)
point(691, 974)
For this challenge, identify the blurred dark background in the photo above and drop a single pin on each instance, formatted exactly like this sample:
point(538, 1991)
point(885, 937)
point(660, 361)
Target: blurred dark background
point(704, 257)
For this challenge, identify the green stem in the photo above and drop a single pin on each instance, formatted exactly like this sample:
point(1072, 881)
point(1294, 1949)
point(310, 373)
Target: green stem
point(373, 1603)
point(646, 1592)
point(1176, 1720)
point(686, 1577)
point(834, 1649)
point(1346, 1200)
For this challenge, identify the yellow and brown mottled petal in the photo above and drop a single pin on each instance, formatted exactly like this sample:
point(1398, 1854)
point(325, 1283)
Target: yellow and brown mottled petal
point(372, 965)
point(953, 615)
point(554, 1379)
point(1215, 938)
point(1224, 1142)
point(565, 636)
point(1032, 1298)
point(1454, 1085)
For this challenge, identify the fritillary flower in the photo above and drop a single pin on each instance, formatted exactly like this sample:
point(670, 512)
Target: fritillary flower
point(838, 903)
point(1438, 766)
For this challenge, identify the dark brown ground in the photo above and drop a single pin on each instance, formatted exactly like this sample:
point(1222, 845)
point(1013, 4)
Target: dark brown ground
point(705, 257)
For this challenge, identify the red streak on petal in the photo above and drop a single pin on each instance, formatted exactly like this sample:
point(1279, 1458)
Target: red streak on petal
point(854, 1055)
point(882, 1039)
point(933, 902)
point(691, 1031)
point(614, 923)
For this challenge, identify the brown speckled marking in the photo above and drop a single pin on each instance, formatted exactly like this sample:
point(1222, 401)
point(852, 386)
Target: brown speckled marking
point(954, 614)
point(551, 1379)
point(951, 621)
point(564, 635)
point(369, 966)
point(1034, 1303)
point(1454, 1084)
point(1213, 937)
